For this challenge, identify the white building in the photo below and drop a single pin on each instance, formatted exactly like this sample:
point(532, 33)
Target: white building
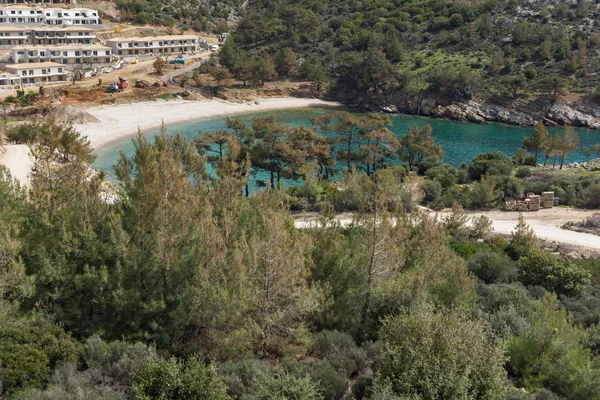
point(15, 35)
point(22, 14)
point(7, 79)
point(62, 35)
point(65, 54)
point(35, 73)
point(37, 2)
point(153, 45)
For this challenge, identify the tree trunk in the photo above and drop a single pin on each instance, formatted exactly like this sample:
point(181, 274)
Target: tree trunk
point(348, 155)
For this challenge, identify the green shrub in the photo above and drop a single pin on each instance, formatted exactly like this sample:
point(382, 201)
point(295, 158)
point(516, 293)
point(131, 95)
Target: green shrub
point(285, 386)
point(432, 191)
point(551, 354)
point(29, 351)
point(26, 133)
point(492, 267)
point(340, 349)
point(523, 172)
point(173, 380)
point(494, 163)
point(440, 354)
point(554, 273)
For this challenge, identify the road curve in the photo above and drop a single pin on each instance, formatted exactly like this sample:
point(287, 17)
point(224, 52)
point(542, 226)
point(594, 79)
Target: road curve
point(545, 223)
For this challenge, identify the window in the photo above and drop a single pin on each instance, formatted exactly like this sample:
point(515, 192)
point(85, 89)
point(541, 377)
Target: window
point(43, 72)
point(60, 70)
point(24, 73)
point(30, 72)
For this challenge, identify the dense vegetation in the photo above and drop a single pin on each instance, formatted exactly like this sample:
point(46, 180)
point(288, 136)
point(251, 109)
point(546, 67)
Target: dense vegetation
point(201, 15)
point(447, 49)
point(181, 287)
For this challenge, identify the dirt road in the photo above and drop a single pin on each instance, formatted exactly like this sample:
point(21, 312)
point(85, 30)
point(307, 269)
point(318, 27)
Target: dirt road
point(546, 224)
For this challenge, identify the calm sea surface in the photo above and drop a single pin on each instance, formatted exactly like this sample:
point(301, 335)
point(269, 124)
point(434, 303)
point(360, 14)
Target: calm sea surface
point(460, 141)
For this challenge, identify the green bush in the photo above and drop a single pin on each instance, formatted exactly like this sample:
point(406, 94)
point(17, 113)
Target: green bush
point(494, 163)
point(340, 349)
point(26, 133)
point(446, 175)
point(551, 354)
point(29, 351)
point(492, 267)
point(285, 386)
point(554, 273)
point(432, 191)
point(440, 354)
point(523, 172)
point(173, 380)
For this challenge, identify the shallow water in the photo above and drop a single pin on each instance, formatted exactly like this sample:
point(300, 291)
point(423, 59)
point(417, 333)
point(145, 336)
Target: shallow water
point(460, 141)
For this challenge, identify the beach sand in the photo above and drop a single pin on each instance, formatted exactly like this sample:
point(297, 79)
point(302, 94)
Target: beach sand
point(123, 120)
point(17, 160)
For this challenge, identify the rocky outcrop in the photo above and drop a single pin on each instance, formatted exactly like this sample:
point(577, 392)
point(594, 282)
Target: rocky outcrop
point(581, 112)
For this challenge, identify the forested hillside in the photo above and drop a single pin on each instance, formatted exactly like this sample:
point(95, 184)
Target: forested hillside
point(452, 48)
point(181, 287)
point(413, 55)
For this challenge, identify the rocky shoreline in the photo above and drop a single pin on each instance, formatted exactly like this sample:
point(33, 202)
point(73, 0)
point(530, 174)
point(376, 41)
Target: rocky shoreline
point(580, 112)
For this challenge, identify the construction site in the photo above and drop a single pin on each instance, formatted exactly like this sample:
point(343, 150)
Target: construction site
point(103, 62)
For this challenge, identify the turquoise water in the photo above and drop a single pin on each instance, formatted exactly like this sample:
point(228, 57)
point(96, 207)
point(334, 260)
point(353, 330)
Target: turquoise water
point(460, 141)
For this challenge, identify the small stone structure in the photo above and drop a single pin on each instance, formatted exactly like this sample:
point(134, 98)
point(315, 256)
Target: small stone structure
point(531, 202)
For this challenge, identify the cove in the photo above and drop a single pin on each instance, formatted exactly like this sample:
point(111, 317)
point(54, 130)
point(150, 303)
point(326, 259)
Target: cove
point(461, 141)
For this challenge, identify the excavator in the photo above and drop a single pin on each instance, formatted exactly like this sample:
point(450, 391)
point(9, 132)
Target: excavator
point(118, 86)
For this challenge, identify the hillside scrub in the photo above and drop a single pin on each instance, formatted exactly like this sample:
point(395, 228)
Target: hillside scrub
point(183, 287)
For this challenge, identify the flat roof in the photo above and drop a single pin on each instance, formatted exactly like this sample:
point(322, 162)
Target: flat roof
point(43, 28)
point(15, 27)
point(34, 65)
point(35, 7)
point(165, 37)
point(60, 46)
point(66, 28)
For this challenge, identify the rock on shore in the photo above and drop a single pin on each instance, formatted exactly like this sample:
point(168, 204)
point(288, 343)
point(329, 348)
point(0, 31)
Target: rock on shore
point(581, 112)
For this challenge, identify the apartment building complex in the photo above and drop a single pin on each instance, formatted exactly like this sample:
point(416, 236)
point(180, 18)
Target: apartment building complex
point(153, 45)
point(37, 2)
point(65, 54)
point(22, 14)
point(62, 35)
point(35, 73)
point(14, 35)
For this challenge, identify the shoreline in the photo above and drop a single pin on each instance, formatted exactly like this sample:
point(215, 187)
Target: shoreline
point(121, 121)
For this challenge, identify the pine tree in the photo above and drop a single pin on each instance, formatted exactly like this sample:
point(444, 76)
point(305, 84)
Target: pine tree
point(537, 140)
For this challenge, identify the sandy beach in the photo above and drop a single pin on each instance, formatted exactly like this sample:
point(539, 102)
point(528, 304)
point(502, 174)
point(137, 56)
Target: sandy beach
point(123, 120)
point(17, 160)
